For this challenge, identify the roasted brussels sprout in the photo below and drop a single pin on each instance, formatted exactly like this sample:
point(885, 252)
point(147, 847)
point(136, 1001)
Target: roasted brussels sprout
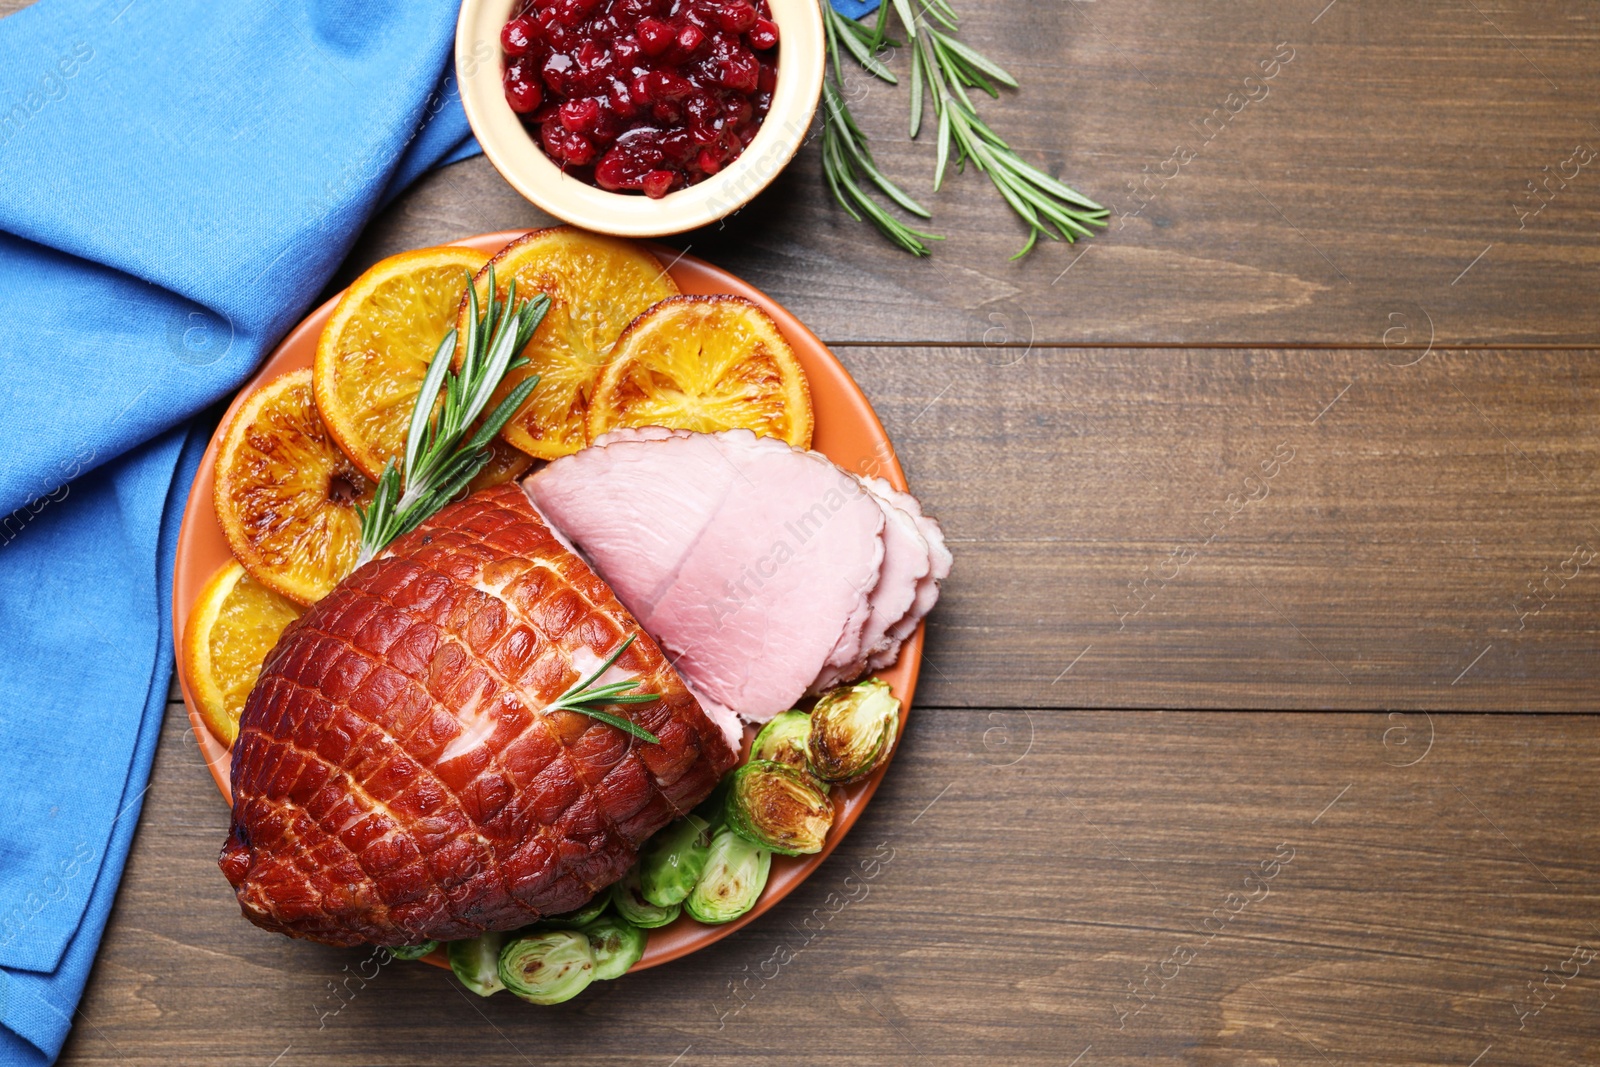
point(547, 968)
point(783, 740)
point(852, 731)
point(779, 808)
point(413, 952)
point(617, 945)
point(734, 876)
point(672, 861)
point(477, 963)
point(632, 906)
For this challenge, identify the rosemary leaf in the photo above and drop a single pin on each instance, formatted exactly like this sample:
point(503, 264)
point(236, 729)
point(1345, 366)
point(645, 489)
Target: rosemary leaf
point(977, 60)
point(438, 463)
point(943, 68)
point(903, 9)
point(916, 89)
point(586, 698)
point(846, 158)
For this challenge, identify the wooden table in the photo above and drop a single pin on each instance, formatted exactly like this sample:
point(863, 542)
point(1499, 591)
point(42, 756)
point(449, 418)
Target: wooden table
point(1269, 507)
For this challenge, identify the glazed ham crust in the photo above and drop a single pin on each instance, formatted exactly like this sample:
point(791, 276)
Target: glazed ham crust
point(396, 779)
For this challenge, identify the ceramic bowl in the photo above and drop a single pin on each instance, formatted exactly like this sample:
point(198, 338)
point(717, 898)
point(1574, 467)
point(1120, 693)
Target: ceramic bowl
point(518, 157)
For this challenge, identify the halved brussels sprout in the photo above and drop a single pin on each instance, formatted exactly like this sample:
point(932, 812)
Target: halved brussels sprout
point(852, 731)
point(633, 907)
point(477, 963)
point(617, 945)
point(547, 968)
point(783, 740)
point(413, 952)
point(777, 807)
point(672, 861)
point(735, 874)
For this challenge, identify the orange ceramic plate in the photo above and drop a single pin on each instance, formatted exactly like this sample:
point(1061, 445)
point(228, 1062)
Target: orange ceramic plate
point(847, 432)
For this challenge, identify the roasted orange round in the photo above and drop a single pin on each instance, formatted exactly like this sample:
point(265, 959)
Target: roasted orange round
point(287, 497)
point(376, 348)
point(232, 626)
point(597, 286)
point(704, 363)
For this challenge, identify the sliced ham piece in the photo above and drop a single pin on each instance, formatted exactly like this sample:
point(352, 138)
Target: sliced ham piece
point(907, 561)
point(753, 563)
point(764, 571)
point(927, 593)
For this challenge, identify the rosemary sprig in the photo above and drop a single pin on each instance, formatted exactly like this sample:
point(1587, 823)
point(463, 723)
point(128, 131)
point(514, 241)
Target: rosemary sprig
point(942, 69)
point(438, 463)
point(586, 698)
point(949, 68)
point(845, 156)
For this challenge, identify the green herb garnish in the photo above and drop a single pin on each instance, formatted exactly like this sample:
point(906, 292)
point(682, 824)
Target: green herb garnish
point(942, 69)
point(438, 462)
point(845, 156)
point(585, 700)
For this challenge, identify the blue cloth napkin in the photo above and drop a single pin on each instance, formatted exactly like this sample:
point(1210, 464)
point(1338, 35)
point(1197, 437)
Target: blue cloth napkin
point(178, 181)
point(855, 8)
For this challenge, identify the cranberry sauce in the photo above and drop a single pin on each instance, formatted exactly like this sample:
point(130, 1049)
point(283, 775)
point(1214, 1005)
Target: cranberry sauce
point(641, 95)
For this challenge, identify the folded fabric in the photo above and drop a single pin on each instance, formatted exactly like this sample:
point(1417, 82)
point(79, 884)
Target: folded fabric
point(178, 181)
point(855, 8)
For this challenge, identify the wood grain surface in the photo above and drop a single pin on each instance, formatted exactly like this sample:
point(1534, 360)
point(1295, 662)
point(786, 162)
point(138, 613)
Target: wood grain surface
point(1268, 506)
point(1027, 887)
point(1380, 170)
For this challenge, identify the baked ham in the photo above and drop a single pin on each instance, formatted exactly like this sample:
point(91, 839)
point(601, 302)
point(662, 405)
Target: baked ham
point(397, 778)
point(765, 571)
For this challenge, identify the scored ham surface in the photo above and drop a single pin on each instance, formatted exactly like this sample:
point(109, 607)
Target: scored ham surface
point(397, 778)
point(765, 571)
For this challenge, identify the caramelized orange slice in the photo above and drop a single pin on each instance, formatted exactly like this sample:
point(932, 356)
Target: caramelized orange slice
point(597, 286)
point(233, 625)
point(704, 363)
point(376, 348)
point(286, 496)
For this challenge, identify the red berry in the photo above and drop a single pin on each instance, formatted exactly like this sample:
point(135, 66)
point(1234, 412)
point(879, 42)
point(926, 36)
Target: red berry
point(658, 183)
point(740, 72)
point(612, 172)
point(578, 150)
point(558, 71)
point(764, 37)
point(523, 95)
point(655, 36)
point(625, 50)
point(580, 116)
point(690, 38)
point(653, 95)
point(735, 17)
point(519, 36)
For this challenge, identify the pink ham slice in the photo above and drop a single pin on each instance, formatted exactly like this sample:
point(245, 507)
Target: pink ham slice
point(752, 563)
point(907, 563)
point(927, 592)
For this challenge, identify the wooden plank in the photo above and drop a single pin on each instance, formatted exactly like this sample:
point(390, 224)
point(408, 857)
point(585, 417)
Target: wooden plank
point(1411, 544)
point(1389, 155)
point(1015, 874)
